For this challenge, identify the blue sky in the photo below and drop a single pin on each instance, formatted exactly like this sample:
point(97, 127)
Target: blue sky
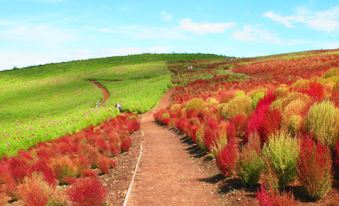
point(41, 31)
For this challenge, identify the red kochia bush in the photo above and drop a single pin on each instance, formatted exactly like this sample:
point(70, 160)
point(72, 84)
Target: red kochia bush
point(103, 164)
point(315, 90)
point(266, 198)
point(227, 158)
point(126, 143)
point(257, 123)
point(47, 172)
point(240, 122)
point(270, 124)
point(18, 168)
point(315, 168)
point(87, 192)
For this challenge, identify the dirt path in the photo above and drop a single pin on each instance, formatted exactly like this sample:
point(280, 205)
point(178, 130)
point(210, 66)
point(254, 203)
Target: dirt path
point(103, 89)
point(167, 174)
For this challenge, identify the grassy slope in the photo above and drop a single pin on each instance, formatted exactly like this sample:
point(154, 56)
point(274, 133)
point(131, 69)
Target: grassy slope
point(44, 102)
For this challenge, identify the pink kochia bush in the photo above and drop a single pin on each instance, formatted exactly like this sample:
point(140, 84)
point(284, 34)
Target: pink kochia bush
point(314, 168)
point(87, 192)
point(65, 159)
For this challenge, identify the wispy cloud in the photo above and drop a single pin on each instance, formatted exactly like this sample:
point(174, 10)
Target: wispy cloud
point(251, 33)
point(325, 20)
point(165, 16)
point(38, 33)
point(169, 32)
point(204, 27)
point(145, 32)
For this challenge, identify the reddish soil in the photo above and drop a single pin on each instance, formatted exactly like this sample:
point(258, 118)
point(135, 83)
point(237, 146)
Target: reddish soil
point(118, 180)
point(167, 174)
point(103, 89)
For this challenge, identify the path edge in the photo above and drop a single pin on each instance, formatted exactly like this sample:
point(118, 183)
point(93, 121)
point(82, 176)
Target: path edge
point(133, 178)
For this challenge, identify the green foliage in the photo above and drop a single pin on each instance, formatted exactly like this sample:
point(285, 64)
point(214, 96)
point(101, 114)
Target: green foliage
point(332, 72)
point(321, 122)
point(294, 124)
point(281, 153)
point(221, 141)
point(195, 104)
point(256, 97)
point(238, 105)
point(250, 164)
point(200, 138)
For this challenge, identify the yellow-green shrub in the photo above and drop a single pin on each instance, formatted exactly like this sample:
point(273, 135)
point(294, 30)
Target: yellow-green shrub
point(331, 72)
point(281, 153)
point(294, 124)
point(321, 122)
point(301, 84)
point(282, 102)
point(195, 103)
point(221, 141)
point(282, 90)
point(238, 105)
point(239, 93)
point(165, 115)
point(256, 97)
point(250, 165)
point(200, 138)
point(295, 107)
point(212, 101)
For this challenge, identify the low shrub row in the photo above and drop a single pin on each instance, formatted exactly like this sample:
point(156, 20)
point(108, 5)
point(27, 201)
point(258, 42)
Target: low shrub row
point(36, 176)
point(276, 135)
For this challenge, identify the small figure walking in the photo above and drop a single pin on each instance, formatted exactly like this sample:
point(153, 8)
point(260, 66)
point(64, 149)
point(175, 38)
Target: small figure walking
point(119, 107)
point(97, 104)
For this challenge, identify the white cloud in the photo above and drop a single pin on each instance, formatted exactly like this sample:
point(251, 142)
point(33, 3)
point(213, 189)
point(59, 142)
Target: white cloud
point(145, 32)
point(285, 20)
point(325, 21)
point(254, 34)
point(204, 27)
point(37, 33)
point(166, 16)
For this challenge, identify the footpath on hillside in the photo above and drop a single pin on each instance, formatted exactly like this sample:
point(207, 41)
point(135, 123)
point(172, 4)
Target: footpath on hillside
point(103, 89)
point(167, 175)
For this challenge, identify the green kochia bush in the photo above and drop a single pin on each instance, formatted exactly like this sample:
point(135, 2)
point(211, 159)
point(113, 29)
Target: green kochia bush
point(281, 154)
point(195, 103)
point(321, 122)
point(238, 105)
point(250, 164)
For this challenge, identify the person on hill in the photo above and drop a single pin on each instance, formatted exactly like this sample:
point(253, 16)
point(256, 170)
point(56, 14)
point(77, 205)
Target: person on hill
point(97, 104)
point(119, 107)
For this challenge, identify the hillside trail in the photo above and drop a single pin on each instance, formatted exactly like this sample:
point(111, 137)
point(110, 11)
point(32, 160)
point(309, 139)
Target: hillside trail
point(167, 175)
point(103, 89)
